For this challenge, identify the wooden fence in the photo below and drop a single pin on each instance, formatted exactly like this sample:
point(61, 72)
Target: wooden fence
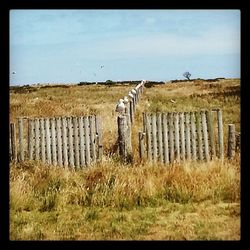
point(63, 141)
point(171, 137)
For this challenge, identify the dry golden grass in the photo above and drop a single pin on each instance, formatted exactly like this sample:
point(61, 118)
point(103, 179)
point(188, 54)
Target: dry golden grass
point(113, 201)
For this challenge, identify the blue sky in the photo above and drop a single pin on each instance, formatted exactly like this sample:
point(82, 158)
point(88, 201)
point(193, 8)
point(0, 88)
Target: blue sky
point(69, 46)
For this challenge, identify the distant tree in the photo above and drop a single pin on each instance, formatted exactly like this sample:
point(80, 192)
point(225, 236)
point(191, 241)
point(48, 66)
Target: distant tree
point(187, 75)
point(110, 82)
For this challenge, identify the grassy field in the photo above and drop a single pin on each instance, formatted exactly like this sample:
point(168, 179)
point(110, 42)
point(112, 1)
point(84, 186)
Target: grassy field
point(139, 201)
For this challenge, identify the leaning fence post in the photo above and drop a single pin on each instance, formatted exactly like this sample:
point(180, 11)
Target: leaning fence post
point(231, 141)
point(13, 141)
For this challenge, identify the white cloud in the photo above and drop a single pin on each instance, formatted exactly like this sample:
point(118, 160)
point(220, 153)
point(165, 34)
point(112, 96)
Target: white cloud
point(219, 40)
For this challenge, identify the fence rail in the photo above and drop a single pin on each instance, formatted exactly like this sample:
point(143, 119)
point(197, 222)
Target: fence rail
point(171, 137)
point(63, 141)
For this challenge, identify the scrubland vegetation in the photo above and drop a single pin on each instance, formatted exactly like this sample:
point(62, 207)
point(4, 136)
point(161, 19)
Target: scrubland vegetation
point(137, 201)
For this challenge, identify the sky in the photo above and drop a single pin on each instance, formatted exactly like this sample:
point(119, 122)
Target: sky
point(72, 46)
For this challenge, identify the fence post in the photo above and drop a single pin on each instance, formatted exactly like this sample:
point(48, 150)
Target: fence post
point(131, 111)
point(210, 122)
point(13, 141)
point(20, 135)
point(148, 122)
point(99, 138)
point(121, 120)
point(205, 135)
point(124, 138)
point(30, 136)
point(231, 141)
point(220, 133)
point(141, 145)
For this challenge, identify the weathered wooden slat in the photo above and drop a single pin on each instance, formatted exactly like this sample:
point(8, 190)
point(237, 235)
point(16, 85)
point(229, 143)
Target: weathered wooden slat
point(13, 142)
point(48, 140)
point(141, 144)
point(59, 140)
point(81, 139)
point(131, 111)
point(76, 143)
point(231, 141)
point(159, 136)
point(121, 121)
point(210, 122)
point(187, 135)
point(64, 141)
point(134, 104)
point(53, 141)
point(154, 137)
point(92, 137)
point(148, 137)
point(37, 140)
point(71, 146)
point(182, 134)
point(42, 135)
point(99, 138)
point(171, 137)
point(205, 135)
point(199, 136)
point(193, 136)
point(31, 138)
point(128, 136)
point(177, 139)
point(87, 146)
point(21, 138)
point(165, 138)
point(220, 134)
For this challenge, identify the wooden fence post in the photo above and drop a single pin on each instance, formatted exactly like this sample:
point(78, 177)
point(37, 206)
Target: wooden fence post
point(87, 139)
point(121, 120)
point(99, 138)
point(159, 137)
point(13, 142)
point(59, 140)
point(165, 138)
point(171, 137)
point(124, 138)
point(20, 135)
point(187, 135)
point(177, 142)
point(231, 141)
point(76, 142)
point(182, 134)
point(193, 135)
point(30, 136)
point(148, 136)
point(205, 135)
point(154, 139)
point(199, 136)
point(210, 122)
point(141, 145)
point(220, 134)
point(131, 111)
